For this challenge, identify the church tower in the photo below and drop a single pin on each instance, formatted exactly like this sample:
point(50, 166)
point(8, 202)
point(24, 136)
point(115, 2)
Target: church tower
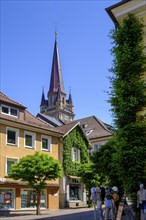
point(57, 105)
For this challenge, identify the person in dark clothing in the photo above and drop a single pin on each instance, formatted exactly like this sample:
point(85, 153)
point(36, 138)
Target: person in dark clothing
point(102, 194)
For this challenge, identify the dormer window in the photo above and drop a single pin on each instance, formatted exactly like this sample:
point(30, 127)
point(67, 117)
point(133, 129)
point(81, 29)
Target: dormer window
point(89, 132)
point(84, 125)
point(9, 111)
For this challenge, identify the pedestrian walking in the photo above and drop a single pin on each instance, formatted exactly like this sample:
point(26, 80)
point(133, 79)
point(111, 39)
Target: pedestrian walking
point(97, 201)
point(110, 197)
point(141, 201)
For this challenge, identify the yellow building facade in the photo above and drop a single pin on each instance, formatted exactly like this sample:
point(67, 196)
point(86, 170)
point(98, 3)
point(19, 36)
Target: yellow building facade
point(23, 134)
point(119, 11)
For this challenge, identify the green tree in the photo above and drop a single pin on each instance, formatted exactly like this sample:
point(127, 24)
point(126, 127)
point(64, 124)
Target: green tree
point(35, 170)
point(128, 99)
point(90, 178)
point(106, 164)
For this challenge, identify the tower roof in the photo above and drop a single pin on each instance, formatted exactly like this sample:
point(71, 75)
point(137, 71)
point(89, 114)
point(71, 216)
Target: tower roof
point(70, 102)
point(70, 99)
point(56, 79)
point(43, 101)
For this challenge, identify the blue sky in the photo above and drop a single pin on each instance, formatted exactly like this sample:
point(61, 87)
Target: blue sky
point(27, 42)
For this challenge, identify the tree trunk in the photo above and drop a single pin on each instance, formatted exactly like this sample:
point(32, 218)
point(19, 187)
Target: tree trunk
point(38, 193)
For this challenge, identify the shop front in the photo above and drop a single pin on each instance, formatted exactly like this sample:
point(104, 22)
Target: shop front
point(7, 198)
point(76, 193)
point(20, 197)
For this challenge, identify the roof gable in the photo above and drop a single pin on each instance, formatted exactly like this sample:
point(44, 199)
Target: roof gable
point(25, 117)
point(6, 100)
point(95, 128)
point(69, 127)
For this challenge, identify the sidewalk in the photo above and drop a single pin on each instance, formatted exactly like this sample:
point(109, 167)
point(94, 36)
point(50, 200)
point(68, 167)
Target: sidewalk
point(127, 213)
point(45, 214)
point(59, 214)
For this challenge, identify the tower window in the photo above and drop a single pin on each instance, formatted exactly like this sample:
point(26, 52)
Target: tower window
point(51, 101)
point(63, 100)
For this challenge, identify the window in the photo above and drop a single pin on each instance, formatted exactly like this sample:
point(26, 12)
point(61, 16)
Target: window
point(29, 139)
point(76, 154)
point(5, 110)
point(51, 100)
point(63, 100)
point(89, 132)
point(84, 125)
point(29, 198)
point(96, 147)
point(12, 136)
point(74, 189)
point(46, 143)
point(13, 112)
point(10, 111)
point(10, 161)
point(7, 198)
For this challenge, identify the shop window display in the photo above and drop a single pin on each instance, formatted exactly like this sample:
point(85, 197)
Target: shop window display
point(6, 199)
point(29, 199)
point(74, 190)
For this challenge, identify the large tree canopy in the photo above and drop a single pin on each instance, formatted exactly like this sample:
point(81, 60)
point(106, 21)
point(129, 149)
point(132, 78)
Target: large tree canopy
point(128, 99)
point(129, 65)
point(35, 170)
point(123, 159)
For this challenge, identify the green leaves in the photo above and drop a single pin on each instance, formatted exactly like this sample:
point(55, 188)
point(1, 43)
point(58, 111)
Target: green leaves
point(128, 95)
point(76, 138)
point(36, 169)
point(128, 98)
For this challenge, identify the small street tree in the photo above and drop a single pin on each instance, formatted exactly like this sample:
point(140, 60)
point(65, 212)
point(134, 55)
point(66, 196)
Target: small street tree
point(35, 170)
point(89, 177)
point(128, 100)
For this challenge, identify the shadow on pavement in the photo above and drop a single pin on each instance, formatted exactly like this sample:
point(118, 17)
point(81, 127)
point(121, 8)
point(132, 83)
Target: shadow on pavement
point(72, 216)
point(9, 214)
point(82, 215)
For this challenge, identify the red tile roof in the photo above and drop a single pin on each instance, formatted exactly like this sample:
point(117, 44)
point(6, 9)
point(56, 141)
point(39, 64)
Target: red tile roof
point(27, 118)
point(5, 99)
point(68, 127)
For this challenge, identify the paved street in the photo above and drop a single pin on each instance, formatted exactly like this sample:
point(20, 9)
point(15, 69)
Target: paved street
point(63, 214)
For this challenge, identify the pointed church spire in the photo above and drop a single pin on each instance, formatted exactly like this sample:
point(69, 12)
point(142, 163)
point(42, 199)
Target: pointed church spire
point(56, 74)
point(43, 101)
point(57, 105)
point(70, 102)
